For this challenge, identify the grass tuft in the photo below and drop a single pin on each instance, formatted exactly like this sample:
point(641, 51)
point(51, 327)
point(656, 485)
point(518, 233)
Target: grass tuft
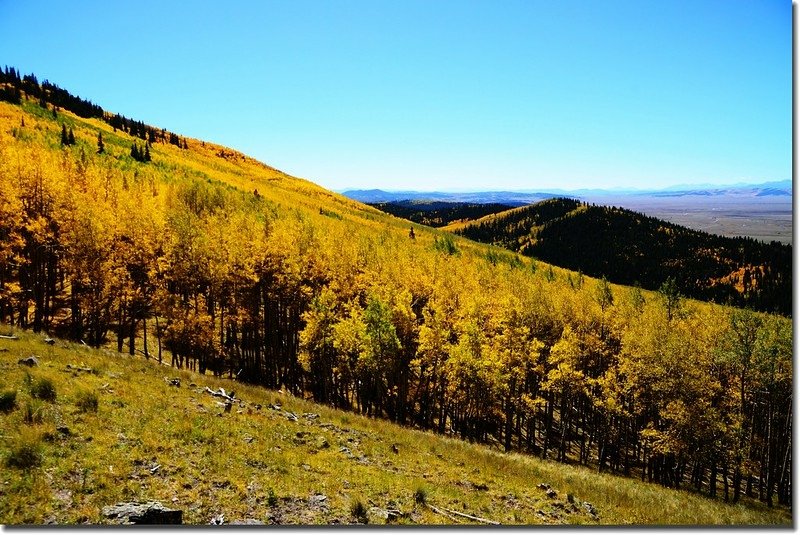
point(25, 454)
point(43, 388)
point(8, 400)
point(86, 401)
point(358, 511)
point(33, 412)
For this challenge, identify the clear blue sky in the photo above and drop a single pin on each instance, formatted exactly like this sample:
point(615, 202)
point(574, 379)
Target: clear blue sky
point(439, 94)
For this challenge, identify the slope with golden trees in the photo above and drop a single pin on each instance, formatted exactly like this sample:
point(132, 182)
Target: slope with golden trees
point(210, 260)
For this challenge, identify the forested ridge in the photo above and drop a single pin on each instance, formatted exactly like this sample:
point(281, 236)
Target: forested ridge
point(631, 248)
point(439, 213)
point(214, 261)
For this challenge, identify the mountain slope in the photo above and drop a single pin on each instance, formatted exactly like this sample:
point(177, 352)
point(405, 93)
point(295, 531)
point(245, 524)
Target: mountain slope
point(628, 247)
point(258, 463)
point(220, 264)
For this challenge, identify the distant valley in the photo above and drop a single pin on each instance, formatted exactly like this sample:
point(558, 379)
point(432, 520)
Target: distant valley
point(759, 211)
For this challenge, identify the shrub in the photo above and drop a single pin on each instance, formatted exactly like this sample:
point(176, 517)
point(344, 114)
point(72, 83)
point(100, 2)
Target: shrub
point(8, 400)
point(25, 454)
point(272, 500)
point(445, 245)
point(358, 511)
point(86, 401)
point(420, 496)
point(43, 388)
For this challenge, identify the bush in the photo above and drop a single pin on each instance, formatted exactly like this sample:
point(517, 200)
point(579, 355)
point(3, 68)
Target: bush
point(358, 511)
point(272, 500)
point(420, 496)
point(43, 388)
point(8, 400)
point(25, 455)
point(86, 401)
point(445, 245)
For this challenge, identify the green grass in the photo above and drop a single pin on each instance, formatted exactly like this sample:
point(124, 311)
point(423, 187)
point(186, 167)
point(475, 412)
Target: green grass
point(121, 432)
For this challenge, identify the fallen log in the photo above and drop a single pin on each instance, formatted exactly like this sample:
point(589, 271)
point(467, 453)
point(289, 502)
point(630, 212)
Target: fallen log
point(440, 512)
point(221, 394)
point(471, 517)
point(8, 337)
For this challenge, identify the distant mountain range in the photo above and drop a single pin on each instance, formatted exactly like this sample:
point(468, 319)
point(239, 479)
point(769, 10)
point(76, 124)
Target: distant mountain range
point(782, 188)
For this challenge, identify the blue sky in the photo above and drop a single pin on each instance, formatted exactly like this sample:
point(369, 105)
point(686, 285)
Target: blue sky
point(447, 95)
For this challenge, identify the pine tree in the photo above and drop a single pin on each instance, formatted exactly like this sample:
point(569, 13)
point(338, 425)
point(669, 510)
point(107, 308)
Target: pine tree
point(135, 152)
point(100, 146)
point(147, 152)
point(71, 136)
point(64, 137)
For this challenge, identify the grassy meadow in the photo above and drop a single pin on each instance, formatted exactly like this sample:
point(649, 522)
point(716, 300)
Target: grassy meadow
point(89, 428)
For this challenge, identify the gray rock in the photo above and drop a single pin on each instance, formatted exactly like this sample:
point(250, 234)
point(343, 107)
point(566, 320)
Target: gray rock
point(247, 522)
point(388, 515)
point(590, 508)
point(143, 513)
point(29, 361)
point(318, 500)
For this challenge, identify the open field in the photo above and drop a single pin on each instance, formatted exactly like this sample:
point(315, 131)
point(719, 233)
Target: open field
point(762, 218)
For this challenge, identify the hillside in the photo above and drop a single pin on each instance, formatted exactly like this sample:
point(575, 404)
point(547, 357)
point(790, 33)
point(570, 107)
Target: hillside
point(196, 255)
point(628, 248)
point(439, 213)
point(273, 458)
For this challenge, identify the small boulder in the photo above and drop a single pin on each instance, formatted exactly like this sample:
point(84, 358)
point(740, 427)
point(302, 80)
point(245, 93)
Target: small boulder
point(29, 361)
point(143, 513)
point(319, 501)
point(590, 509)
point(387, 515)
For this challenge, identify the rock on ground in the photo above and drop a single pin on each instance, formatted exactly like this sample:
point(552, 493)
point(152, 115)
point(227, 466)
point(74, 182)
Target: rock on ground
point(143, 513)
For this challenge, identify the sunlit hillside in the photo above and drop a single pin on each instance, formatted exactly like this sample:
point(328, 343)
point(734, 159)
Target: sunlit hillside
point(77, 437)
point(631, 248)
point(206, 259)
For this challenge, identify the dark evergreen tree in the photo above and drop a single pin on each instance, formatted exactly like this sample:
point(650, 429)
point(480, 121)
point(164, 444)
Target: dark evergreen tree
point(71, 136)
point(64, 136)
point(100, 146)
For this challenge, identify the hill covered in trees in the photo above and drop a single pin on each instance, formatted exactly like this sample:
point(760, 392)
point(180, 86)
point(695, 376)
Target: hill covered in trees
point(439, 213)
point(631, 248)
point(206, 259)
